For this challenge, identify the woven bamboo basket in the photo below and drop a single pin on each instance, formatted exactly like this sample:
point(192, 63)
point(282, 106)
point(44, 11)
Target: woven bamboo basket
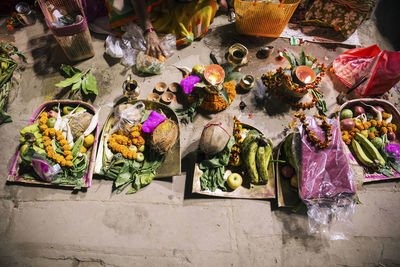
point(74, 39)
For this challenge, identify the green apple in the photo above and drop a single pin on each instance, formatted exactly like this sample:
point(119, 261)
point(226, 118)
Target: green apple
point(293, 181)
point(234, 180)
point(133, 148)
point(139, 156)
point(141, 148)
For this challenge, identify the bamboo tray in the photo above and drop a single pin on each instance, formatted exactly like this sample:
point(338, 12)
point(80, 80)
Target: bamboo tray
point(172, 163)
point(247, 190)
point(373, 177)
point(15, 177)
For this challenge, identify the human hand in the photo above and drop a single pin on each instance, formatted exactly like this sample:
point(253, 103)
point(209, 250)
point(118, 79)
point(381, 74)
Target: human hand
point(153, 47)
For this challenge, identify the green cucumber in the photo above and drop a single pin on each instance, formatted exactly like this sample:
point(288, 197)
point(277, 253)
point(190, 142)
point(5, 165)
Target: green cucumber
point(262, 162)
point(249, 159)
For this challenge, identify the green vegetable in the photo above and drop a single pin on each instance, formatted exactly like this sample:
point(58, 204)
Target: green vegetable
point(79, 81)
point(33, 128)
point(51, 122)
point(214, 169)
point(249, 160)
point(77, 146)
point(262, 162)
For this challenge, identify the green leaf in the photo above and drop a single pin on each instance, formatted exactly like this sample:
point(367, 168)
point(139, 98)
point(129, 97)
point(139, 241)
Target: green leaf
point(302, 58)
point(308, 62)
point(77, 85)
point(69, 81)
point(69, 70)
point(317, 70)
point(233, 76)
point(84, 86)
point(4, 117)
point(224, 94)
point(386, 170)
point(131, 190)
point(91, 84)
point(145, 115)
point(213, 59)
point(290, 57)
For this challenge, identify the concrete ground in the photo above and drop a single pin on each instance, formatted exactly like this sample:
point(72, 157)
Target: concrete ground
point(165, 224)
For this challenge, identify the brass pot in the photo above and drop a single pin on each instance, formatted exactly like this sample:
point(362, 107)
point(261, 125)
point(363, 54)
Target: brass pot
point(237, 54)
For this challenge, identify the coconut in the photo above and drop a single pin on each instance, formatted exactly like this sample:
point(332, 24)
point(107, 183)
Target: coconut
point(80, 123)
point(164, 136)
point(216, 134)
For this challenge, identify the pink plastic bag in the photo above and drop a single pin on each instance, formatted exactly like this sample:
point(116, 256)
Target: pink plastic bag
point(381, 68)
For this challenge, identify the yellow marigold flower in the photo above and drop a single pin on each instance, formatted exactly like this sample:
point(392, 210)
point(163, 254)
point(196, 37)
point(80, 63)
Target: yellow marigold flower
point(52, 132)
point(43, 127)
point(66, 147)
point(373, 123)
point(63, 142)
point(69, 163)
point(67, 152)
point(47, 143)
point(69, 157)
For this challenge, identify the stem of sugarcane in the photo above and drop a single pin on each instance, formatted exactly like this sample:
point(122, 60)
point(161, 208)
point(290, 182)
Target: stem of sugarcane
point(5, 91)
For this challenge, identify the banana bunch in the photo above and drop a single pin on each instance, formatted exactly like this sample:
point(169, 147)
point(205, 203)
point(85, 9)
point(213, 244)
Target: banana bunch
point(256, 155)
point(366, 152)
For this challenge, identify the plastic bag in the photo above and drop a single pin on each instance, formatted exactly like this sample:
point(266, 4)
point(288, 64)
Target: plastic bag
point(128, 115)
point(381, 68)
point(44, 169)
point(326, 180)
point(132, 43)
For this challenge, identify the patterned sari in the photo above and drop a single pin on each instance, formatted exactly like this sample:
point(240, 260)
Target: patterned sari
point(187, 21)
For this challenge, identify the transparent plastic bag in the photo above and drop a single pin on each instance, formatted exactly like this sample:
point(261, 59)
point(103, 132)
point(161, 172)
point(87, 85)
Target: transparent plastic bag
point(133, 43)
point(44, 169)
point(127, 116)
point(326, 180)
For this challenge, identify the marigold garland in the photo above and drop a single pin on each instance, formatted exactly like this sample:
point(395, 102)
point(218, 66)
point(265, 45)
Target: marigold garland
point(234, 157)
point(121, 141)
point(275, 81)
point(215, 102)
point(48, 135)
point(311, 137)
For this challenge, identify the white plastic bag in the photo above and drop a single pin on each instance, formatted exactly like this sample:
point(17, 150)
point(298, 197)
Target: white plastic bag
point(132, 43)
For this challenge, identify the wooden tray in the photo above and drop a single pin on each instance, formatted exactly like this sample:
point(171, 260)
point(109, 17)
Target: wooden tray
point(373, 177)
point(250, 191)
point(172, 163)
point(13, 175)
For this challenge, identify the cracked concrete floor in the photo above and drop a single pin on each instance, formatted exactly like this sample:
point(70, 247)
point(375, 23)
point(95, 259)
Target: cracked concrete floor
point(164, 224)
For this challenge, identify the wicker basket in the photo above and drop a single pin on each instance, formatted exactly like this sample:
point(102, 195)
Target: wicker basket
point(75, 39)
point(262, 18)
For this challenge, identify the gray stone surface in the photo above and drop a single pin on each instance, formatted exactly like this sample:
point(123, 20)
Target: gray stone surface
point(164, 224)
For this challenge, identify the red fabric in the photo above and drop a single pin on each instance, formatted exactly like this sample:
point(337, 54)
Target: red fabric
point(382, 69)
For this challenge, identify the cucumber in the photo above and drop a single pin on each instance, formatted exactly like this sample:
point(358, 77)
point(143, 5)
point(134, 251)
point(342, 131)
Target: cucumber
point(262, 162)
point(249, 159)
point(250, 137)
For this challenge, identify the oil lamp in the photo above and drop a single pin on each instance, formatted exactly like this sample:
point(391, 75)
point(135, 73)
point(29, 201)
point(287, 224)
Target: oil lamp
point(214, 75)
point(304, 75)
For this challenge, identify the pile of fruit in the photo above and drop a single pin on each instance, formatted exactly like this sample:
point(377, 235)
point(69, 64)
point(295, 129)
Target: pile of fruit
point(368, 130)
point(136, 145)
point(55, 147)
point(246, 151)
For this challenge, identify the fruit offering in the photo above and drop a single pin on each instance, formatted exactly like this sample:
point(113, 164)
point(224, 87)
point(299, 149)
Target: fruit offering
point(136, 142)
point(368, 130)
point(240, 160)
point(52, 152)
